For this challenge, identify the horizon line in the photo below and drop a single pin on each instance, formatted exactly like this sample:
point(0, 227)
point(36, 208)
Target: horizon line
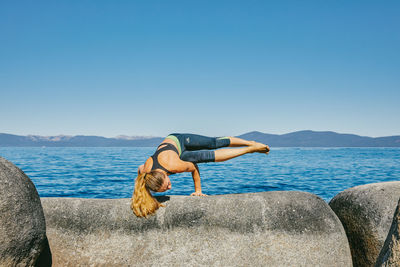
point(125, 136)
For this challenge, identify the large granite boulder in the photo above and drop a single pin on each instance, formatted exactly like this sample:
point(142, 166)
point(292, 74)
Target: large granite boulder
point(257, 229)
point(390, 253)
point(366, 213)
point(23, 239)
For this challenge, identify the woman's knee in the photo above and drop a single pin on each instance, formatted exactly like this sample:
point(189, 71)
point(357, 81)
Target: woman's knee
point(198, 156)
point(222, 142)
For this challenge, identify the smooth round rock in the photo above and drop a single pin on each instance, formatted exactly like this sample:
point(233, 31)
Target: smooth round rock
point(258, 229)
point(22, 224)
point(366, 212)
point(390, 253)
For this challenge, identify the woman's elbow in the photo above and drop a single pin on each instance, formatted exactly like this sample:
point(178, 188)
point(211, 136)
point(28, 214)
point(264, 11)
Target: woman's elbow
point(193, 167)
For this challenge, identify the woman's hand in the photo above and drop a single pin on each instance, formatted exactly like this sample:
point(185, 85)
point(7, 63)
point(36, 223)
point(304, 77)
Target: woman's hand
point(198, 194)
point(187, 166)
point(140, 169)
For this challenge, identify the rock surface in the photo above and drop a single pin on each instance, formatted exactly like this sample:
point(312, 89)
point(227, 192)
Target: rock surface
point(366, 213)
point(22, 224)
point(258, 229)
point(390, 253)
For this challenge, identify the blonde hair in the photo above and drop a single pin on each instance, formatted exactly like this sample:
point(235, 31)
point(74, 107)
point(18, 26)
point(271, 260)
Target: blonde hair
point(143, 203)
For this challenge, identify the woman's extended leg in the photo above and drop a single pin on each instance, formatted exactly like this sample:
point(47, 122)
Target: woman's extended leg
point(193, 148)
point(230, 153)
point(198, 142)
point(235, 142)
point(193, 142)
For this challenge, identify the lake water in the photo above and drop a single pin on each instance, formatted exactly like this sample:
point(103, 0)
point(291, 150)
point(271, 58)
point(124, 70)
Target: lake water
point(110, 172)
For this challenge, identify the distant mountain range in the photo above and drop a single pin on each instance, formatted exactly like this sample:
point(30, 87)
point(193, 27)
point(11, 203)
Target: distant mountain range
point(295, 139)
point(322, 139)
point(77, 141)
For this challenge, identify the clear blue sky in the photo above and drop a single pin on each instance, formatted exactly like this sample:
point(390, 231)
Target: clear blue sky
point(210, 67)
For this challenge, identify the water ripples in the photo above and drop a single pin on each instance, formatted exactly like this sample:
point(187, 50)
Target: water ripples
point(110, 172)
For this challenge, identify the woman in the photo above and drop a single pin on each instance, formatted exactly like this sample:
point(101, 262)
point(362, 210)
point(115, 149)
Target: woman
point(181, 153)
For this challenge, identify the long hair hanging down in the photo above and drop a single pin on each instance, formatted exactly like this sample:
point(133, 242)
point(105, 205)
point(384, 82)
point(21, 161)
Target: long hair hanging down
point(143, 203)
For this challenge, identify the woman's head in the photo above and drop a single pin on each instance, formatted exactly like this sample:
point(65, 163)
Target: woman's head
point(143, 203)
point(165, 186)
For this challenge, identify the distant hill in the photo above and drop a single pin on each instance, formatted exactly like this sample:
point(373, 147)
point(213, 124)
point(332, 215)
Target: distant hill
point(295, 139)
point(321, 139)
point(76, 141)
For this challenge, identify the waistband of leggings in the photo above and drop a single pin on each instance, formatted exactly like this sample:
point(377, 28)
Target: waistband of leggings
point(176, 140)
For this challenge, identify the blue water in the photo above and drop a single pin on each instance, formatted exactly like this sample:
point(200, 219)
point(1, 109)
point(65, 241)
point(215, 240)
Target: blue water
point(110, 172)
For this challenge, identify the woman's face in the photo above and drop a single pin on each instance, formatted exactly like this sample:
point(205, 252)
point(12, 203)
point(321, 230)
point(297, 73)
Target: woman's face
point(166, 185)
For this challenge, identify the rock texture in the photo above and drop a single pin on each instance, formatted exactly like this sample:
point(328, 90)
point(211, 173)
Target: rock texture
point(390, 253)
point(22, 223)
point(258, 229)
point(366, 212)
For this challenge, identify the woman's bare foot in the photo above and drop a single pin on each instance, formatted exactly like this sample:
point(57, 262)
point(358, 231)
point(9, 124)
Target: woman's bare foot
point(259, 147)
